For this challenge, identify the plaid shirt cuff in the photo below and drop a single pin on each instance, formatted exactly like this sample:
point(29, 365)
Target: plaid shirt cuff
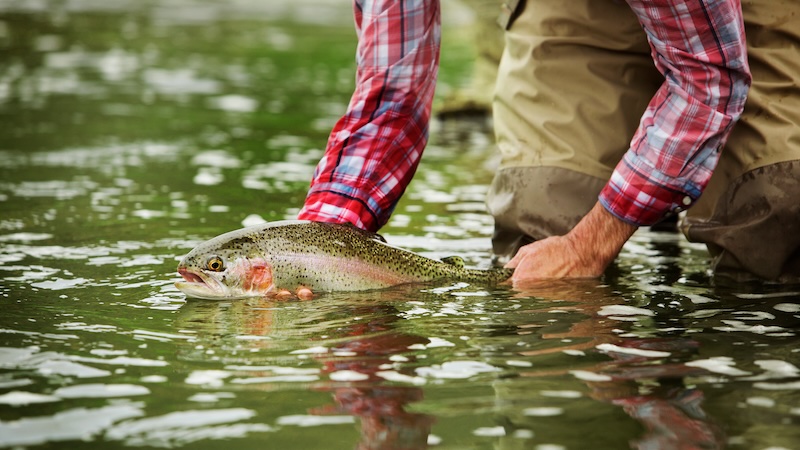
point(636, 194)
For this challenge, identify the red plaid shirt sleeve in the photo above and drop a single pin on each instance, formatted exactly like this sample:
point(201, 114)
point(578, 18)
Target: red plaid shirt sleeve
point(699, 46)
point(374, 149)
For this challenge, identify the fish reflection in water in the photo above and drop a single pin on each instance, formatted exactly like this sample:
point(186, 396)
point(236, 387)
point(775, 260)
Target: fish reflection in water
point(354, 354)
point(354, 340)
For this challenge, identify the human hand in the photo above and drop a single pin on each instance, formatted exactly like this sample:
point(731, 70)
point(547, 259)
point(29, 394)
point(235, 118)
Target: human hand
point(553, 257)
point(301, 293)
point(584, 252)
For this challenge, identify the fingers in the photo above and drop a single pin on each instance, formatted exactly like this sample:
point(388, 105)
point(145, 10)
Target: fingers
point(518, 257)
point(301, 293)
point(283, 294)
point(304, 293)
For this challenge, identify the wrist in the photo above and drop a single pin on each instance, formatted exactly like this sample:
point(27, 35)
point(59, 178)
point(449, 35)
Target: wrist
point(598, 238)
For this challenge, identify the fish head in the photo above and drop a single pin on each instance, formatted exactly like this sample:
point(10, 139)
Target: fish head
point(218, 270)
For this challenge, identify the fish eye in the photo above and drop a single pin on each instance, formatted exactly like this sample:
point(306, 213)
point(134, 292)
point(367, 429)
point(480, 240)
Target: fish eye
point(215, 263)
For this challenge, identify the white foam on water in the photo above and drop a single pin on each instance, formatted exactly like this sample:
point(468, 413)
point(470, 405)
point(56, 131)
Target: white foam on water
point(624, 310)
point(314, 421)
point(718, 364)
point(773, 386)
point(549, 447)
point(234, 103)
point(25, 237)
point(276, 379)
point(121, 361)
point(737, 325)
point(438, 342)
point(207, 377)
point(19, 398)
point(778, 367)
point(456, 369)
point(178, 428)
point(210, 397)
point(69, 368)
point(73, 424)
point(768, 295)
point(516, 363)
point(754, 315)
point(99, 390)
point(253, 219)
point(280, 370)
point(586, 375)
point(705, 313)
point(310, 350)
point(788, 307)
point(632, 351)
point(154, 379)
point(391, 375)
point(543, 411)
point(348, 375)
point(208, 177)
point(217, 158)
point(9, 383)
point(523, 434)
point(58, 284)
point(764, 402)
point(489, 431)
point(561, 394)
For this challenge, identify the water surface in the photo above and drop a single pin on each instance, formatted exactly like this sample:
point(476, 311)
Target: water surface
point(134, 130)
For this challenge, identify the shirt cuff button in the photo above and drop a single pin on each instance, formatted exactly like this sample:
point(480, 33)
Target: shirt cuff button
point(687, 201)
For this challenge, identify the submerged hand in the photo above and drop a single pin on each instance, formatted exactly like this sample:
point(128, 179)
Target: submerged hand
point(301, 293)
point(584, 252)
point(553, 257)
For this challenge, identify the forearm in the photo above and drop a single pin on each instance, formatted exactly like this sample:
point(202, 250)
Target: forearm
point(374, 149)
point(700, 48)
point(598, 238)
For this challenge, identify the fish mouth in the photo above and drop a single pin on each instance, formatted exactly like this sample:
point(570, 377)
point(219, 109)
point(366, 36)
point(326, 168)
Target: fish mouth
point(203, 286)
point(197, 285)
point(189, 276)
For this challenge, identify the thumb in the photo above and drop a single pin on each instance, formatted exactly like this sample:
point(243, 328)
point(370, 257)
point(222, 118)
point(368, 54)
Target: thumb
point(514, 262)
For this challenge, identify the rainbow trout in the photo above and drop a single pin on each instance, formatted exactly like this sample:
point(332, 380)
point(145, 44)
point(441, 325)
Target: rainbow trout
point(291, 256)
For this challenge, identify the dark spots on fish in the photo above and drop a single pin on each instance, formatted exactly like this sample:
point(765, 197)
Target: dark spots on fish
point(287, 246)
point(238, 243)
point(454, 261)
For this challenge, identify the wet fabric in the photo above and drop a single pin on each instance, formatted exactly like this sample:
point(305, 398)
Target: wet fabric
point(531, 203)
point(754, 231)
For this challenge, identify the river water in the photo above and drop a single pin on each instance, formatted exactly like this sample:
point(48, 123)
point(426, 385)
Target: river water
point(131, 131)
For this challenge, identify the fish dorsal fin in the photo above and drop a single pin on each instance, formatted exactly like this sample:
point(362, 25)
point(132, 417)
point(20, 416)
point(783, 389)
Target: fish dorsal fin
point(455, 261)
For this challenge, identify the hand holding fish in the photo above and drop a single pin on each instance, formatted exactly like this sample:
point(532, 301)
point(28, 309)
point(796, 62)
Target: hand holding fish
point(584, 252)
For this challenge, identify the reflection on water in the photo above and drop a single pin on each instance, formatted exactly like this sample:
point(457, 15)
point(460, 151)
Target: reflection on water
point(134, 130)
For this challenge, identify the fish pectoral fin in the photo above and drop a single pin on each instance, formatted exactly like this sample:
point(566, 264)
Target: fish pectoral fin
point(455, 261)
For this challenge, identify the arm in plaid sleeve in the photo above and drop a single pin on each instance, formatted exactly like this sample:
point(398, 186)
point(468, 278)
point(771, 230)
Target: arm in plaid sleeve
point(699, 46)
point(374, 149)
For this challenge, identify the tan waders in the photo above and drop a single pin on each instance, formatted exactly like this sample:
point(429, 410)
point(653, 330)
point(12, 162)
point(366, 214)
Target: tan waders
point(573, 82)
